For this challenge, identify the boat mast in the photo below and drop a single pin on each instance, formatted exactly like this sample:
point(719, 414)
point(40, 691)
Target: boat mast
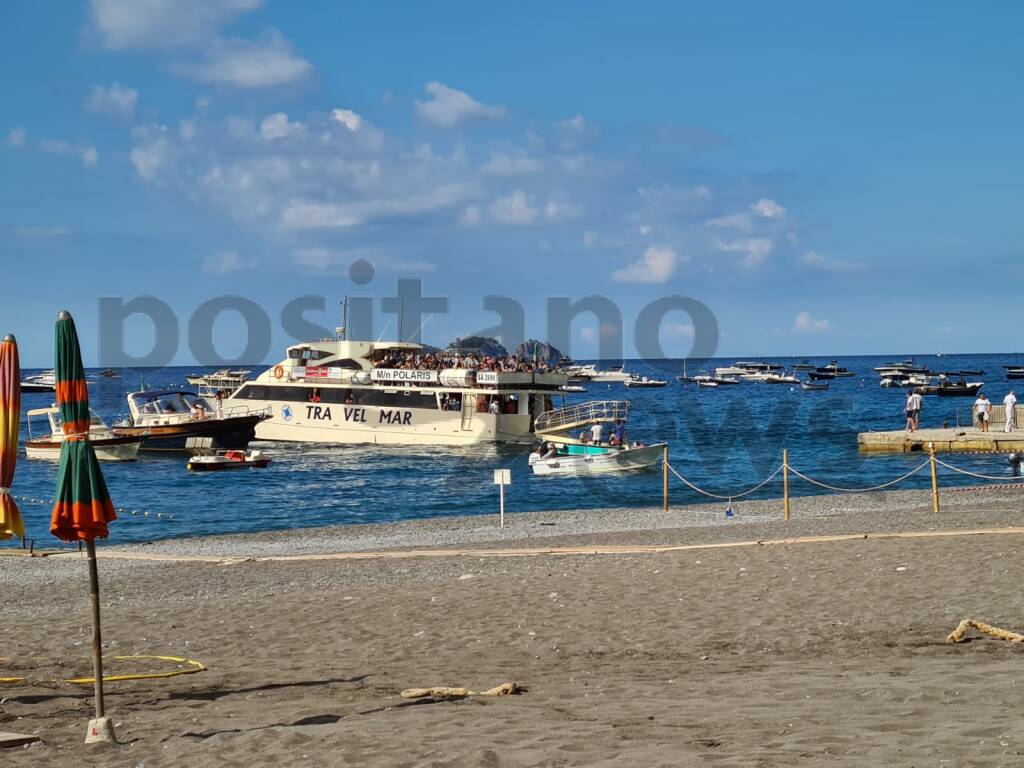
point(342, 332)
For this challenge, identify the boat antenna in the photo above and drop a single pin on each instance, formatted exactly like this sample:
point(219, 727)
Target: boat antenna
point(343, 331)
point(401, 317)
point(423, 324)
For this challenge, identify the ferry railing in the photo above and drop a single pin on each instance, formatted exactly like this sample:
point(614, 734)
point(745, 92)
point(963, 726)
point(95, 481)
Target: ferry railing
point(593, 410)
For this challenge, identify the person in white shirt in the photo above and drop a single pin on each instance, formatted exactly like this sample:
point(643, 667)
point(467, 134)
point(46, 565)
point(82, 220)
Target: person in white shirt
point(981, 407)
point(913, 409)
point(1010, 404)
point(494, 407)
point(595, 431)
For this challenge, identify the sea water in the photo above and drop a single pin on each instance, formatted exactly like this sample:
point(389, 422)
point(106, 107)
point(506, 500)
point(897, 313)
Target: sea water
point(724, 440)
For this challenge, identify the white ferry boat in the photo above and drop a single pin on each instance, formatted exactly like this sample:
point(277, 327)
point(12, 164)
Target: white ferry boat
point(340, 391)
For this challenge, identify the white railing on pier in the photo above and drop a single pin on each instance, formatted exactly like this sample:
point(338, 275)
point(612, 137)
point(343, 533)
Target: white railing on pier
point(581, 413)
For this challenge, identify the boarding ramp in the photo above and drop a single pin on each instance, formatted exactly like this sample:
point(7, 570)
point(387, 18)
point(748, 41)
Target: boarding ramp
point(582, 414)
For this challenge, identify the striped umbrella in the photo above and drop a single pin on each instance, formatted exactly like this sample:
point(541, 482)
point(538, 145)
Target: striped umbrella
point(10, 422)
point(83, 506)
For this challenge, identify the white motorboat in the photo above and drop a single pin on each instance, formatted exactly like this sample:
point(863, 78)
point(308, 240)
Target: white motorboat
point(781, 378)
point(41, 382)
point(748, 371)
point(590, 372)
point(592, 451)
point(224, 380)
point(574, 388)
point(643, 381)
point(107, 445)
point(708, 383)
point(703, 380)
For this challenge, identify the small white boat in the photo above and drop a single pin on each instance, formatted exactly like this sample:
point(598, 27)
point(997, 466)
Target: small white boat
point(643, 381)
point(222, 460)
point(107, 445)
point(41, 382)
point(592, 450)
point(708, 383)
point(572, 388)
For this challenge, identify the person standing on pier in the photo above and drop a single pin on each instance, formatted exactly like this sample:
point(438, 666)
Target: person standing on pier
point(1010, 405)
point(982, 406)
point(913, 409)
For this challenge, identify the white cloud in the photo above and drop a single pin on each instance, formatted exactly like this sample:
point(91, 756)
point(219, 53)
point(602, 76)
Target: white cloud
point(187, 129)
point(519, 164)
point(276, 126)
point(517, 208)
point(124, 24)
point(246, 64)
point(90, 156)
point(411, 266)
point(470, 216)
point(755, 250)
point(804, 323)
point(348, 118)
point(17, 137)
point(677, 330)
point(574, 133)
point(449, 107)
point(556, 210)
point(657, 266)
point(768, 209)
point(321, 259)
point(815, 260)
point(115, 100)
point(153, 152)
point(763, 209)
point(588, 333)
point(302, 214)
point(317, 258)
point(226, 262)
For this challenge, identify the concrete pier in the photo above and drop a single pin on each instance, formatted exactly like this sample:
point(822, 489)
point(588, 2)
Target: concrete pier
point(949, 440)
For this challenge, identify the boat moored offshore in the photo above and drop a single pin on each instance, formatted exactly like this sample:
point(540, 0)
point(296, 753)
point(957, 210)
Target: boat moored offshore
point(390, 392)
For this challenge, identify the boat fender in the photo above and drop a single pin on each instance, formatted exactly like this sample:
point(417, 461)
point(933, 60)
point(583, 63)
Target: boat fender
point(278, 372)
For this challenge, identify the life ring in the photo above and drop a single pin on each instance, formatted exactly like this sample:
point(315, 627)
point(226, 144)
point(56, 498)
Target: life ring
point(278, 372)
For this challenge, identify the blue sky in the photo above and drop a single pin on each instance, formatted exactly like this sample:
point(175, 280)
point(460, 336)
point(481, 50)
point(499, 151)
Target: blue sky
point(829, 180)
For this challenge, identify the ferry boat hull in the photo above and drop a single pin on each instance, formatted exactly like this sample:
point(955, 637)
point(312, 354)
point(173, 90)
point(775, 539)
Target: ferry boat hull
point(371, 425)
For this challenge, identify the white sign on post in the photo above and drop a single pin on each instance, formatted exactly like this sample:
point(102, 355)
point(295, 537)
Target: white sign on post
point(502, 477)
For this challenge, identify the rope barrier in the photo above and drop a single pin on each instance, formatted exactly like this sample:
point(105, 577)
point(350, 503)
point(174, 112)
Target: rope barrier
point(120, 510)
point(840, 489)
point(730, 497)
point(967, 472)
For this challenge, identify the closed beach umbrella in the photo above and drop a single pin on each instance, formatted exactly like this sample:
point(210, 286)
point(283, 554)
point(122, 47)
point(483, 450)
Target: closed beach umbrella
point(83, 507)
point(10, 421)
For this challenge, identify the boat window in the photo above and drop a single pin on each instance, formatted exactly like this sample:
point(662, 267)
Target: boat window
point(403, 398)
point(347, 363)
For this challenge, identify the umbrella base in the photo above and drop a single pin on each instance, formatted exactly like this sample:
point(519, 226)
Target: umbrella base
point(101, 731)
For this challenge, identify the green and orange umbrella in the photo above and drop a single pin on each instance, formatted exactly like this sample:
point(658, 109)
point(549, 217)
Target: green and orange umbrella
point(11, 524)
point(83, 507)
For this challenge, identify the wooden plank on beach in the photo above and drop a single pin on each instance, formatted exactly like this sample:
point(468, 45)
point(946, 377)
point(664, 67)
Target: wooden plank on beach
point(8, 739)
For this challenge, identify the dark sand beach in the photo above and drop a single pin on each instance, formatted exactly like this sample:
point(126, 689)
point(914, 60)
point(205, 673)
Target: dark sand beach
point(808, 653)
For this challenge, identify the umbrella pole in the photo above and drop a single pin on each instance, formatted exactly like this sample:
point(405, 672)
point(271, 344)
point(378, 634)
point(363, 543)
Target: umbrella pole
point(97, 646)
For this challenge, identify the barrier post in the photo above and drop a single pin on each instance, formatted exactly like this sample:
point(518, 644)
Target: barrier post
point(935, 478)
point(785, 482)
point(664, 479)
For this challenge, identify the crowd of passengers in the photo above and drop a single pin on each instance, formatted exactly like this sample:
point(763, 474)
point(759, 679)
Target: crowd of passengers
point(445, 360)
